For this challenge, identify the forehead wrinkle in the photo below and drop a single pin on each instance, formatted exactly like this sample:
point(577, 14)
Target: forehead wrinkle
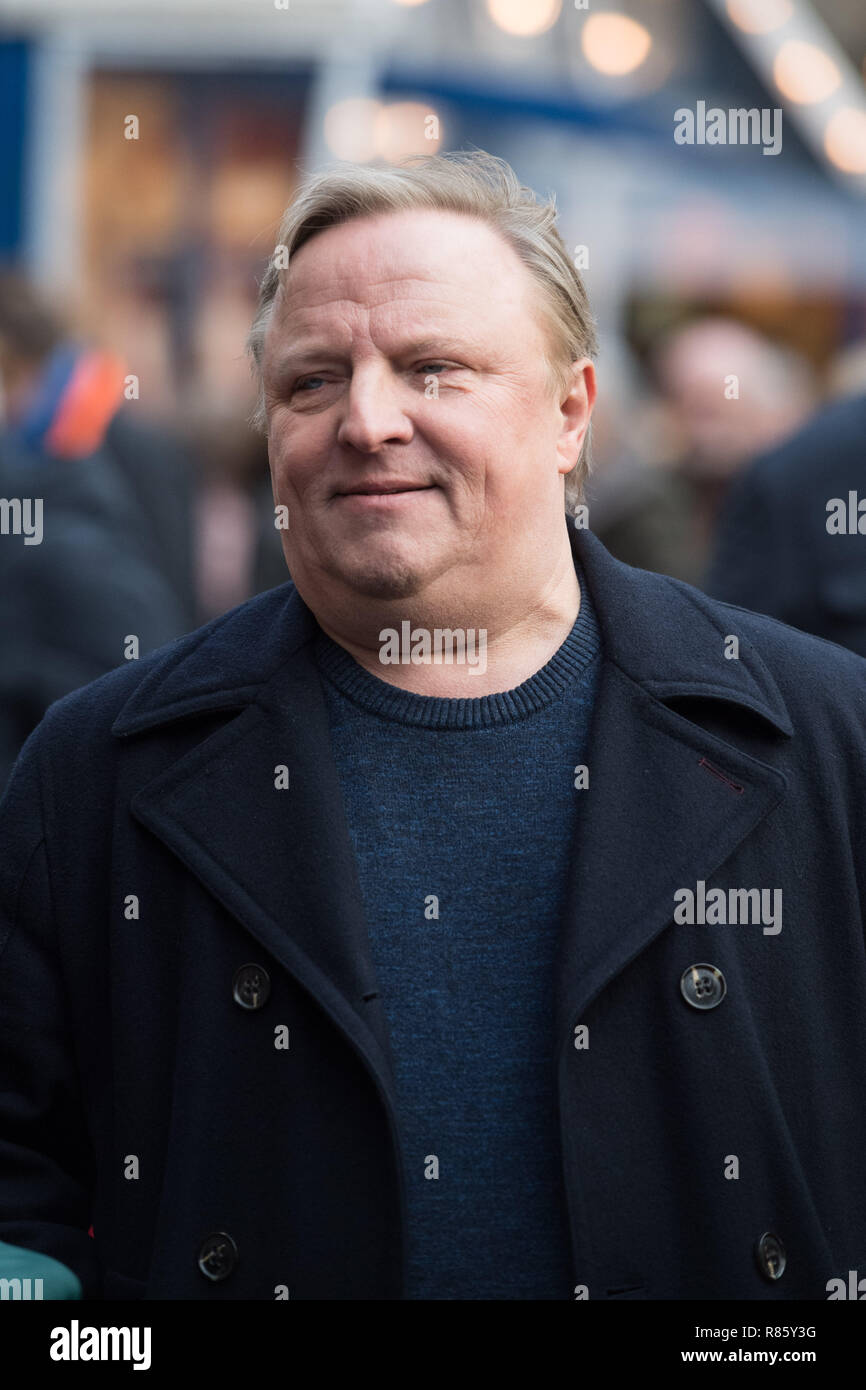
point(350, 319)
point(314, 296)
point(298, 302)
point(461, 254)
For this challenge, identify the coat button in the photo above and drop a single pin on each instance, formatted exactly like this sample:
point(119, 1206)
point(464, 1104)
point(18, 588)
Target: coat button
point(218, 1256)
point(703, 986)
point(251, 986)
point(771, 1256)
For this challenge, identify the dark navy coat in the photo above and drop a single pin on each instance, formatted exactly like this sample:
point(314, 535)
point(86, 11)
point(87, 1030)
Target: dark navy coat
point(145, 1084)
point(773, 551)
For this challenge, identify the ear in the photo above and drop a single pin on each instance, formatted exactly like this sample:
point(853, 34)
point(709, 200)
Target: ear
point(576, 407)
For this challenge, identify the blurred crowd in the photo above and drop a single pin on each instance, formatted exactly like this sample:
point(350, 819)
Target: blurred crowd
point(719, 461)
point(716, 456)
point(147, 530)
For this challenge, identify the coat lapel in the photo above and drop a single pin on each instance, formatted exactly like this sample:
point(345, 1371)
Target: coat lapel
point(655, 817)
point(279, 860)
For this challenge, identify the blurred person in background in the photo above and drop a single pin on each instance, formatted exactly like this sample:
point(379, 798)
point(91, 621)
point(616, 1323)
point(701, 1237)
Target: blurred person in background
point(236, 544)
point(846, 374)
point(731, 394)
point(636, 508)
point(64, 399)
point(69, 603)
point(792, 538)
point(111, 563)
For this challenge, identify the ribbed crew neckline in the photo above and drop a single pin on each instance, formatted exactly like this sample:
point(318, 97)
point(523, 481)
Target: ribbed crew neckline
point(378, 697)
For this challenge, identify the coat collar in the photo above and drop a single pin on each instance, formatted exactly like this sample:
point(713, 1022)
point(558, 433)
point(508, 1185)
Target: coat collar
point(223, 665)
point(665, 635)
point(653, 819)
point(669, 637)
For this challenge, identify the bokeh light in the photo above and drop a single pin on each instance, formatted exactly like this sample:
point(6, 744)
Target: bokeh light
point(524, 18)
point(805, 73)
point(760, 16)
point(845, 140)
point(402, 129)
point(350, 128)
point(614, 44)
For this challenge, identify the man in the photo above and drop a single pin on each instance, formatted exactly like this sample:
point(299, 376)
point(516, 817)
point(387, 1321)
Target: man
point(792, 539)
point(532, 974)
point(112, 496)
point(63, 402)
point(75, 590)
point(729, 393)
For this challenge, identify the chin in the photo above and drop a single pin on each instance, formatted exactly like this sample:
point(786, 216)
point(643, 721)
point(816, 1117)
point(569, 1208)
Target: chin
point(389, 579)
point(385, 576)
point(379, 567)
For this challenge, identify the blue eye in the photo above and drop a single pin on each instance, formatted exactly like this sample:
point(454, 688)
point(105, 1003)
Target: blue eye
point(302, 384)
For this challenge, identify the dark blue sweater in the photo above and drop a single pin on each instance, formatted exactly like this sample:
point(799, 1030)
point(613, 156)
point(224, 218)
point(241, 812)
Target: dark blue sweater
point(462, 813)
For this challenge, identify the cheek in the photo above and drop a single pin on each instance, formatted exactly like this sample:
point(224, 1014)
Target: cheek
point(299, 451)
point(507, 428)
point(290, 470)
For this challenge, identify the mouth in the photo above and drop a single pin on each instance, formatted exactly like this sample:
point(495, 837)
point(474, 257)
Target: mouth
point(384, 496)
point(380, 489)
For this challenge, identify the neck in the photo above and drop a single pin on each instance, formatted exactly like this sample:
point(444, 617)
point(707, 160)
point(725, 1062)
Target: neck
point(499, 652)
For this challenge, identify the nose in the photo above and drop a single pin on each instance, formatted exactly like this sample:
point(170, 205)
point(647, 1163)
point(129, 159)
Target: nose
point(374, 411)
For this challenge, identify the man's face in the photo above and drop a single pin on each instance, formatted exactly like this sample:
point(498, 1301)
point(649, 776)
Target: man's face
point(405, 351)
